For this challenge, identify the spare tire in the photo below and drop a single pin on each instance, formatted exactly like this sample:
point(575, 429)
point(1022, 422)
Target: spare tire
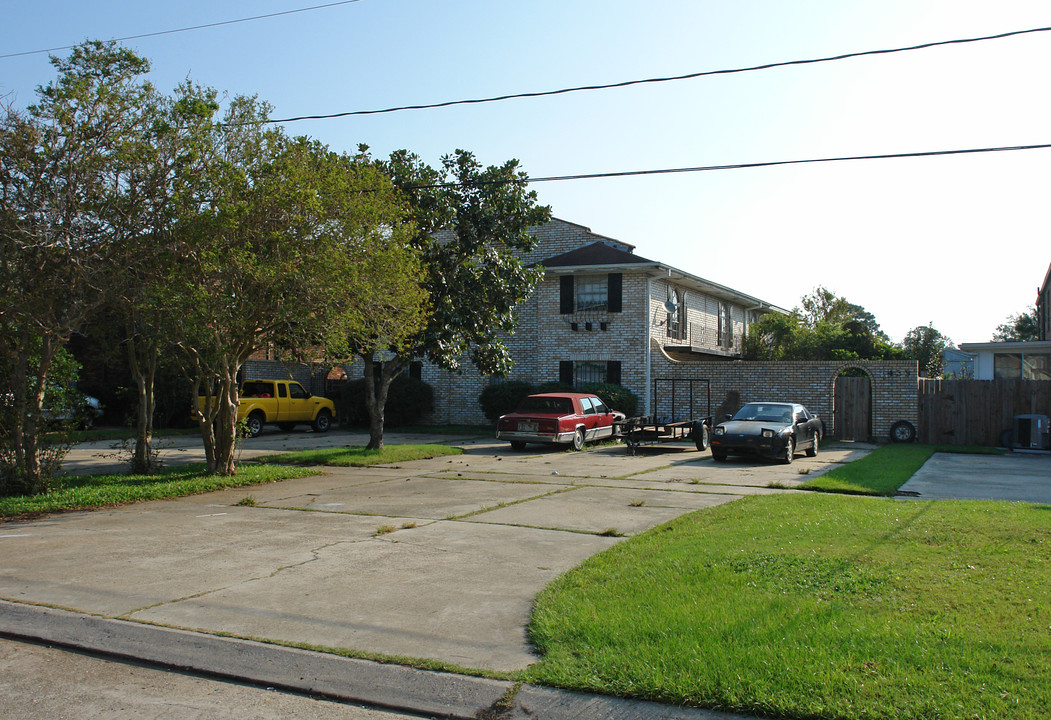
point(902, 431)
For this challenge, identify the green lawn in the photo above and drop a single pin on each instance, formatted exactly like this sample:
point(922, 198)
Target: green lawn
point(358, 456)
point(815, 605)
point(885, 469)
point(78, 492)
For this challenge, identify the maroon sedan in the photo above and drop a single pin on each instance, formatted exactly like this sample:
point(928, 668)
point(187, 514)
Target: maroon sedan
point(566, 418)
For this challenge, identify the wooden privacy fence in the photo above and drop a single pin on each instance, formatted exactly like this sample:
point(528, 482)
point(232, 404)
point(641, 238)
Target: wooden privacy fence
point(977, 412)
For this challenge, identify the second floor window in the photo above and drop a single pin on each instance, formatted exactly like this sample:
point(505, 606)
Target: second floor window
point(591, 293)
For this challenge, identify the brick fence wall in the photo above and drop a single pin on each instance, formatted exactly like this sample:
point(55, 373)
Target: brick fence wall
point(810, 383)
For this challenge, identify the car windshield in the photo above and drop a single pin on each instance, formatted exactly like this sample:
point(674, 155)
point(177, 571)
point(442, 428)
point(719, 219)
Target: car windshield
point(758, 412)
point(562, 406)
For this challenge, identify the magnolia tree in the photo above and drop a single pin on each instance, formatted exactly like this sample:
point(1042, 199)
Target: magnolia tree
point(468, 225)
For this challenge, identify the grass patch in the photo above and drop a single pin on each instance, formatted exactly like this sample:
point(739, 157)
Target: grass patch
point(358, 456)
point(815, 606)
point(886, 469)
point(81, 492)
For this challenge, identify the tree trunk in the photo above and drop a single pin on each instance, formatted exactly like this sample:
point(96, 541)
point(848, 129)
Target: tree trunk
point(376, 395)
point(144, 459)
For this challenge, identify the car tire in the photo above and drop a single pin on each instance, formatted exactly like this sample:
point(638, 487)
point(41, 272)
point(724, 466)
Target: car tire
point(254, 424)
point(287, 427)
point(790, 451)
point(718, 455)
point(813, 449)
point(902, 431)
point(322, 422)
point(518, 445)
point(701, 436)
point(578, 439)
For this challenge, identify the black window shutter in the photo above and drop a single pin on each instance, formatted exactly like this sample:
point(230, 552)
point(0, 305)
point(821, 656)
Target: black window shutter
point(565, 294)
point(416, 370)
point(613, 292)
point(565, 372)
point(613, 372)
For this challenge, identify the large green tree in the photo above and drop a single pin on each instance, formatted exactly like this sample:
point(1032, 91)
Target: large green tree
point(924, 344)
point(824, 326)
point(65, 165)
point(273, 239)
point(469, 225)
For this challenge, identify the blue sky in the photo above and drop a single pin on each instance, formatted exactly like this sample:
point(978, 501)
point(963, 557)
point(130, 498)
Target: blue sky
point(961, 241)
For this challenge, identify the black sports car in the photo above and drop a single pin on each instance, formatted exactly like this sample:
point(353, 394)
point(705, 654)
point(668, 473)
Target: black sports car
point(768, 429)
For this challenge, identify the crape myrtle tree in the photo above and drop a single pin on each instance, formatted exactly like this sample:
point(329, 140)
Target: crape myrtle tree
point(64, 219)
point(469, 225)
point(269, 240)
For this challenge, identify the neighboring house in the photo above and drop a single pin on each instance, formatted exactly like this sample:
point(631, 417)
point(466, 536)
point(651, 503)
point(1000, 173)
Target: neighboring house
point(595, 318)
point(1004, 360)
point(1043, 307)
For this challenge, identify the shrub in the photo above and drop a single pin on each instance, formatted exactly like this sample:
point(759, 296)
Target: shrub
point(500, 399)
point(408, 401)
point(617, 397)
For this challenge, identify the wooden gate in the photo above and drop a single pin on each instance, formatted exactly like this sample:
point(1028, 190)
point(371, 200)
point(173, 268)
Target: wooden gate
point(853, 408)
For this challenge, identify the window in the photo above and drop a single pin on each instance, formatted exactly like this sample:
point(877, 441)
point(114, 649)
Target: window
point(578, 373)
point(586, 406)
point(590, 293)
point(677, 320)
point(726, 325)
point(296, 392)
point(1021, 366)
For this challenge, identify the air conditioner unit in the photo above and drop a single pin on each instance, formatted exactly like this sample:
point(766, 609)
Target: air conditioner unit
point(1031, 432)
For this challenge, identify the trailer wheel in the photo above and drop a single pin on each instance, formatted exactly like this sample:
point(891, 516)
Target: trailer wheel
point(700, 436)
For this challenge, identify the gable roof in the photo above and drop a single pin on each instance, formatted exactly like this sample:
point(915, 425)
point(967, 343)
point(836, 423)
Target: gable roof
point(597, 253)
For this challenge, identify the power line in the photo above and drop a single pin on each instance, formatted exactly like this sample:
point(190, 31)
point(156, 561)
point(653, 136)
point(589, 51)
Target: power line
point(688, 76)
point(187, 29)
point(736, 166)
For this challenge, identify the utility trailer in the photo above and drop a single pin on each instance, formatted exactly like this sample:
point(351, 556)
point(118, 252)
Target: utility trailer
point(675, 415)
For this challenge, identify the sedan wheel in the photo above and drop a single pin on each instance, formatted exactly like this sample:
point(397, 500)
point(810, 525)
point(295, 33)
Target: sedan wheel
point(578, 439)
point(517, 445)
point(790, 451)
point(812, 451)
point(718, 455)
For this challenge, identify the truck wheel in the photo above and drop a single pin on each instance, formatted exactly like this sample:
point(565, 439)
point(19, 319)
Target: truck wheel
point(254, 424)
point(322, 422)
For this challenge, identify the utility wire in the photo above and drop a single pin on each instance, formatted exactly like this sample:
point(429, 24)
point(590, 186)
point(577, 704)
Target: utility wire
point(187, 29)
point(736, 166)
point(673, 78)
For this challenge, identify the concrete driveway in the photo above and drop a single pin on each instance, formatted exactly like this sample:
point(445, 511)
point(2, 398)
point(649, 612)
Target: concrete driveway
point(1019, 477)
point(436, 559)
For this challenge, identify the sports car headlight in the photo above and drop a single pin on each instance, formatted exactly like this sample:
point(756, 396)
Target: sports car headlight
point(768, 433)
point(720, 430)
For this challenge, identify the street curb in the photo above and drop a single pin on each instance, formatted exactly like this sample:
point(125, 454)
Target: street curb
point(365, 682)
point(393, 687)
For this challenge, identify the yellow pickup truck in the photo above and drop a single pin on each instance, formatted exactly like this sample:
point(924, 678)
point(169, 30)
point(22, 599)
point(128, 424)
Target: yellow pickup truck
point(283, 403)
